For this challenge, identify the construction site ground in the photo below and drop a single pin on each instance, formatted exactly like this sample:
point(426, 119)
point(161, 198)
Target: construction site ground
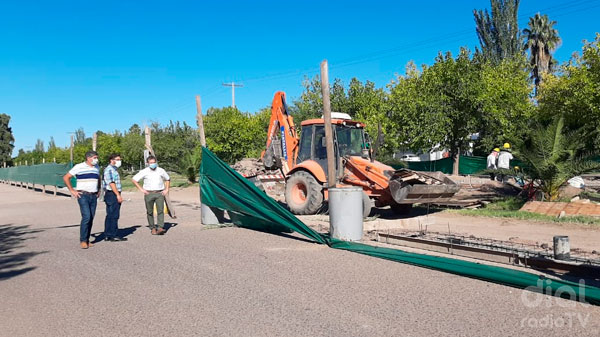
point(198, 280)
point(584, 239)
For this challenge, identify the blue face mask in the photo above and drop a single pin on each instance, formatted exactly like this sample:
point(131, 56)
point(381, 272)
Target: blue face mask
point(153, 166)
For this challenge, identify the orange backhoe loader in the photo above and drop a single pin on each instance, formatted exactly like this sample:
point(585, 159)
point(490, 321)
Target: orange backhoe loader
point(303, 161)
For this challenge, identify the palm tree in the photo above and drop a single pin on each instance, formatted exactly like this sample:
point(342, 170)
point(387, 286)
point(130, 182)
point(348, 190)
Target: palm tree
point(541, 39)
point(552, 157)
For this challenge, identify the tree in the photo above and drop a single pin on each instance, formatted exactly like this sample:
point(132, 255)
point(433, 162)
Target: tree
point(576, 96)
point(79, 137)
point(310, 103)
point(370, 105)
point(232, 134)
point(51, 144)
point(6, 139)
point(132, 146)
point(507, 108)
point(541, 39)
point(551, 158)
point(39, 146)
point(498, 33)
point(441, 105)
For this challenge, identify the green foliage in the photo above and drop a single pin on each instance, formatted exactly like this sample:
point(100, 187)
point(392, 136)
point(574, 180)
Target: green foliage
point(551, 159)
point(576, 96)
point(507, 109)
point(541, 39)
point(440, 105)
point(190, 164)
point(498, 32)
point(233, 135)
point(6, 139)
point(172, 142)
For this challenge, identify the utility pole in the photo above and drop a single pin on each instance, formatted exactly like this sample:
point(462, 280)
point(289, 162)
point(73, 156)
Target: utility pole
point(232, 85)
point(200, 121)
point(94, 141)
point(72, 141)
point(331, 176)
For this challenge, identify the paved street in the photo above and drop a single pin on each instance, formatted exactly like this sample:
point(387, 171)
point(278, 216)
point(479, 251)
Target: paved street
point(236, 282)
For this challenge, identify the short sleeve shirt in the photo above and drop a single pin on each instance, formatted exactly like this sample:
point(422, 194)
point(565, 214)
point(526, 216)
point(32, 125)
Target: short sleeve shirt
point(111, 175)
point(87, 177)
point(153, 179)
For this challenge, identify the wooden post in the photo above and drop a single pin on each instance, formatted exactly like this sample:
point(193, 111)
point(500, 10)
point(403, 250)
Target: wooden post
point(72, 148)
point(44, 160)
point(26, 163)
point(54, 159)
point(55, 188)
point(200, 121)
point(94, 141)
point(331, 176)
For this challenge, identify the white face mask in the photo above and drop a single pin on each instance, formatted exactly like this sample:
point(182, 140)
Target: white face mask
point(95, 161)
point(117, 163)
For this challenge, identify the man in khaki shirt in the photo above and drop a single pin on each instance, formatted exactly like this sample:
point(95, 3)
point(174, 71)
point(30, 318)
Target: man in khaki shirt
point(156, 187)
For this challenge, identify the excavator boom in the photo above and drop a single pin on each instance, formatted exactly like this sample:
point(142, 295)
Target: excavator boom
point(282, 138)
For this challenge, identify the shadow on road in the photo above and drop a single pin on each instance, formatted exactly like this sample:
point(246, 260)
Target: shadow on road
point(122, 232)
point(12, 238)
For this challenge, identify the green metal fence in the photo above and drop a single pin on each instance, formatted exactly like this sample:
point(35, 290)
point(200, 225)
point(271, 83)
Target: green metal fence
point(43, 174)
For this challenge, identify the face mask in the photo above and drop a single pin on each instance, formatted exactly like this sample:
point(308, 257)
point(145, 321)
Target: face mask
point(117, 163)
point(153, 166)
point(95, 161)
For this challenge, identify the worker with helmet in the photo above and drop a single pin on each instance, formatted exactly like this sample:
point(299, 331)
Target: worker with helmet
point(492, 162)
point(504, 159)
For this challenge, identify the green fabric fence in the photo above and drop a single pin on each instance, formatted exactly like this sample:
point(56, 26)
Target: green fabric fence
point(43, 174)
point(467, 165)
point(224, 188)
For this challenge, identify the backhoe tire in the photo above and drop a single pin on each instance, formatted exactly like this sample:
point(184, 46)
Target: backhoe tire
point(367, 205)
point(401, 209)
point(303, 193)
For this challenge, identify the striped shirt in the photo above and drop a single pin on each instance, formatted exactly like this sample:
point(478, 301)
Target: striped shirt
point(111, 175)
point(87, 177)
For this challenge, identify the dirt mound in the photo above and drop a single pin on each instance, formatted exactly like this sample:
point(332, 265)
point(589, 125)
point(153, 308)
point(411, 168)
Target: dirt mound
point(249, 167)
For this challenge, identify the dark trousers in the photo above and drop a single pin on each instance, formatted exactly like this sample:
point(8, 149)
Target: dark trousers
point(113, 211)
point(87, 206)
point(155, 198)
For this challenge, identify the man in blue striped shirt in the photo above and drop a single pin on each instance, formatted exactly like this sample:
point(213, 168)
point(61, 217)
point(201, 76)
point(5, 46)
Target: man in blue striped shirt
point(112, 198)
point(87, 193)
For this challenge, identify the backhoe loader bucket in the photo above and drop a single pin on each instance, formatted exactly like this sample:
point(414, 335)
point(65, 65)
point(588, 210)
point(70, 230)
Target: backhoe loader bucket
point(411, 187)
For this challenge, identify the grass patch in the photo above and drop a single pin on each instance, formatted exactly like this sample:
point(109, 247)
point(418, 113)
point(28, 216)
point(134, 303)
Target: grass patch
point(509, 208)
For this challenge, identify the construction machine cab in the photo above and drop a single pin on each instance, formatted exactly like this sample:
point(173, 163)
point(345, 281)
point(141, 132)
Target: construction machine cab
point(348, 136)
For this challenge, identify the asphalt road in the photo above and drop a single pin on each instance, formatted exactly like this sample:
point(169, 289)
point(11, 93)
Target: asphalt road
point(196, 281)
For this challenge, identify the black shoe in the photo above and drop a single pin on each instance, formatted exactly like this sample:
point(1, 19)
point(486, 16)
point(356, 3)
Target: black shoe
point(116, 239)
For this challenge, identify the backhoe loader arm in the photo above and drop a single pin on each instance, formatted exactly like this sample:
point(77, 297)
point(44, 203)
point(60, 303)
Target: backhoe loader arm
point(282, 139)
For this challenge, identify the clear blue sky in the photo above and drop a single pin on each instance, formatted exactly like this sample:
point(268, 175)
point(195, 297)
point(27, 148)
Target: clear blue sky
point(104, 65)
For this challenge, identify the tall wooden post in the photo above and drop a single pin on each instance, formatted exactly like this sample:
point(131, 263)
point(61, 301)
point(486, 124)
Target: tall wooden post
point(94, 141)
point(71, 149)
point(200, 121)
point(331, 176)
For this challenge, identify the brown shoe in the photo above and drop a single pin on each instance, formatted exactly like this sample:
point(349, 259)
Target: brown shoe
point(90, 244)
point(84, 245)
point(160, 231)
point(153, 231)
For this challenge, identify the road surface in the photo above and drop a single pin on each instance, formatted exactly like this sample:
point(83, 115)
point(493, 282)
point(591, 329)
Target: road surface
point(237, 282)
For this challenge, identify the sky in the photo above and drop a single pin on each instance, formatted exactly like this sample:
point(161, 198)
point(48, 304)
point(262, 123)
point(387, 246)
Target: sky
point(105, 65)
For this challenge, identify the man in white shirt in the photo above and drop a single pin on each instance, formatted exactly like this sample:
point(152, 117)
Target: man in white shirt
point(156, 187)
point(504, 159)
point(87, 193)
point(492, 160)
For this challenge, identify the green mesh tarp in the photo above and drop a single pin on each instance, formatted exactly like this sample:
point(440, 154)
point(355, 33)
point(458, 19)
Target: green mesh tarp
point(466, 165)
point(224, 188)
point(43, 174)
